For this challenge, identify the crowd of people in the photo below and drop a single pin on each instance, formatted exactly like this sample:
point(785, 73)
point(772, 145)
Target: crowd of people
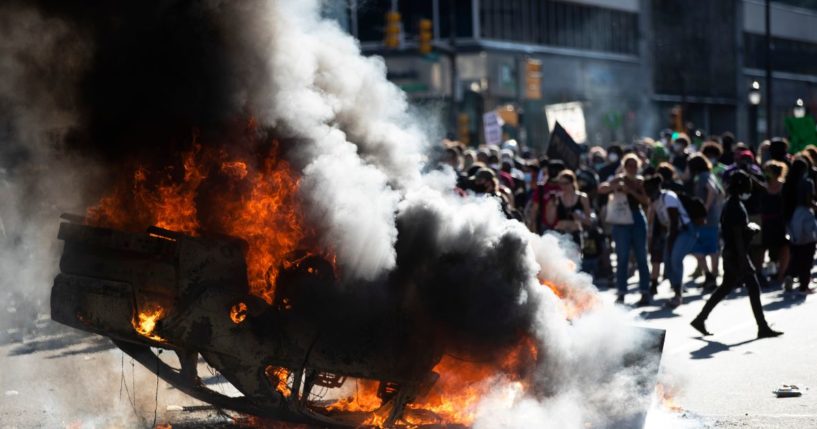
point(649, 205)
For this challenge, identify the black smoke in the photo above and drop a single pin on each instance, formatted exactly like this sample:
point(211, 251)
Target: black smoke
point(157, 71)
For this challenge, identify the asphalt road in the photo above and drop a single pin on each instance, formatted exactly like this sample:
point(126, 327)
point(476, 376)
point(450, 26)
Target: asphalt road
point(726, 380)
point(59, 378)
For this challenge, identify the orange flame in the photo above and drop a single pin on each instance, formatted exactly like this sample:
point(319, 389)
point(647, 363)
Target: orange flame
point(238, 312)
point(144, 321)
point(462, 385)
point(455, 395)
point(666, 398)
point(256, 201)
point(575, 302)
point(365, 398)
point(279, 377)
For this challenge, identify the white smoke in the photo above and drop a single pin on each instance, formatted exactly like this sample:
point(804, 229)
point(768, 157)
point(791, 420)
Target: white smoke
point(38, 179)
point(41, 61)
point(361, 146)
point(363, 153)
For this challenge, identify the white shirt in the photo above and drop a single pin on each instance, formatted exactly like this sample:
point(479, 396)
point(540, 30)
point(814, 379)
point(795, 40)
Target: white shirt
point(667, 200)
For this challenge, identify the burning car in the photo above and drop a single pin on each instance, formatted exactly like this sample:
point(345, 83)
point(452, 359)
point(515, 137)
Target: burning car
point(190, 295)
point(167, 290)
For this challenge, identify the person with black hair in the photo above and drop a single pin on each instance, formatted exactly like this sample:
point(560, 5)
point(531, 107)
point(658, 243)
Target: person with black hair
point(680, 153)
point(803, 232)
point(779, 150)
point(737, 265)
point(667, 216)
point(727, 141)
point(614, 156)
point(773, 220)
point(713, 151)
point(629, 225)
point(542, 194)
point(707, 187)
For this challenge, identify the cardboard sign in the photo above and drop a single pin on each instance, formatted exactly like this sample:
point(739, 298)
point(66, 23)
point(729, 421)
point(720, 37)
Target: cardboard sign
point(492, 125)
point(571, 116)
point(561, 146)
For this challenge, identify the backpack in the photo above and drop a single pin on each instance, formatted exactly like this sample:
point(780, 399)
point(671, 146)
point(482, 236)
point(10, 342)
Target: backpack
point(695, 208)
point(803, 226)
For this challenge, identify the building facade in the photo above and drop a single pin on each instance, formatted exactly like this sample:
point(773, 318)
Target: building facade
point(630, 63)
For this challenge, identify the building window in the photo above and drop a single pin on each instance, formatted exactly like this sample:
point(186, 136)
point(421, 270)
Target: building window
point(789, 55)
point(558, 23)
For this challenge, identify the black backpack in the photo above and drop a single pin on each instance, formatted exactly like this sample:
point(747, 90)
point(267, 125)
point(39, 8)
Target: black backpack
point(695, 208)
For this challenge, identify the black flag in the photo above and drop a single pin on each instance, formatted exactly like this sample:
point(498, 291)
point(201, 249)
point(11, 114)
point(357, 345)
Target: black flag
point(562, 146)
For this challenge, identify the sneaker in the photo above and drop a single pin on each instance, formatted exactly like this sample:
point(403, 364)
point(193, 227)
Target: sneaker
point(620, 299)
point(767, 332)
point(788, 284)
point(805, 290)
point(697, 273)
point(646, 299)
point(710, 281)
point(700, 326)
point(674, 302)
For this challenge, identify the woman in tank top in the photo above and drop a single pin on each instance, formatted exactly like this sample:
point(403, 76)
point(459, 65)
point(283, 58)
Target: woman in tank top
point(570, 210)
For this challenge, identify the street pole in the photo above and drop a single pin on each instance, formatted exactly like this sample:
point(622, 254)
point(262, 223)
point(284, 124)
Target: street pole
point(769, 104)
point(452, 41)
point(753, 143)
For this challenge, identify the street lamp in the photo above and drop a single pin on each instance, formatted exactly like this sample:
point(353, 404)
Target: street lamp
point(754, 102)
point(799, 108)
point(754, 94)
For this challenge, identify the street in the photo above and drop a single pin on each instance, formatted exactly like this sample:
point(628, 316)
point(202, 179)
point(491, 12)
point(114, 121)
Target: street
point(726, 380)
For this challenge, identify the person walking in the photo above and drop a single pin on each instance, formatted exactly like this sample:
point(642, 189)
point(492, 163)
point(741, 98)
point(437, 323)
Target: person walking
point(629, 231)
point(738, 268)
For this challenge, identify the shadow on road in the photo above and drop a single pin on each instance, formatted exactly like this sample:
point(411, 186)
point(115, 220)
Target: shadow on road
point(96, 345)
point(713, 347)
point(661, 313)
point(785, 300)
point(664, 312)
point(57, 342)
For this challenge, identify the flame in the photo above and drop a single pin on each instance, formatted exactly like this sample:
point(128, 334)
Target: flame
point(666, 398)
point(575, 301)
point(238, 312)
point(144, 321)
point(455, 395)
point(462, 384)
point(364, 400)
point(254, 199)
point(279, 377)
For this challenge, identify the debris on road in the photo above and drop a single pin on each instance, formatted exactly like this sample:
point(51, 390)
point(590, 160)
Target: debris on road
point(787, 391)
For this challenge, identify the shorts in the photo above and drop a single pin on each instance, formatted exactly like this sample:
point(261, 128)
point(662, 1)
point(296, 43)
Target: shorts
point(708, 241)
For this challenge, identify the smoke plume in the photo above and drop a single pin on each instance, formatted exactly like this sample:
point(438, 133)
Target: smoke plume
point(103, 83)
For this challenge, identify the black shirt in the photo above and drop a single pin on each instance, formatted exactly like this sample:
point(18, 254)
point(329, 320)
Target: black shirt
point(734, 225)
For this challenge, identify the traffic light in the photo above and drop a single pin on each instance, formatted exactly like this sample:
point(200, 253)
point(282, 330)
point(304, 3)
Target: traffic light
point(424, 36)
point(533, 79)
point(464, 128)
point(392, 34)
